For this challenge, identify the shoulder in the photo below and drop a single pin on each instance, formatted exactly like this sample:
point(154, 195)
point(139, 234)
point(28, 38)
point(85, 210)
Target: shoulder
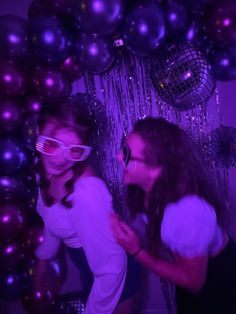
point(190, 222)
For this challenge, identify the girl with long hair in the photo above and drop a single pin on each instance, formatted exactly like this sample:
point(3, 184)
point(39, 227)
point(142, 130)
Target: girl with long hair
point(75, 205)
point(168, 185)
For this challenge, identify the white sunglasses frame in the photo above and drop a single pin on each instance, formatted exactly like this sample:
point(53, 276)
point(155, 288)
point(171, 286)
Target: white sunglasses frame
point(63, 148)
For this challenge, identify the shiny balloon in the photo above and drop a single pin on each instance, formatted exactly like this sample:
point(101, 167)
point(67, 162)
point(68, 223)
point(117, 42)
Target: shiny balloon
point(38, 302)
point(11, 115)
point(32, 104)
point(100, 17)
point(177, 16)
point(196, 35)
point(223, 62)
point(30, 131)
point(12, 187)
point(13, 219)
point(96, 54)
point(32, 238)
point(11, 285)
point(63, 7)
point(11, 255)
point(48, 39)
point(13, 81)
point(37, 8)
point(144, 29)
point(13, 37)
point(220, 22)
point(13, 156)
point(72, 69)
point(49, 84)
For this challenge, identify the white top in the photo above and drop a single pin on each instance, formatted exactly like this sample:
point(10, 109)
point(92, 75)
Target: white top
point(189, 227)
point(86, 224)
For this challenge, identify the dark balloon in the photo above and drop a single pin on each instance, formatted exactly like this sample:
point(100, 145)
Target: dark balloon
point(220, 22)
point(13, 81)
point(13, 37)
point(38, 302)
point(11, 255)
point(32, 238)
point(11, 285)
point(144, 29)
point(37, 8)
point(12, 187)
point(50, 84)
point(30, 131)
point(72, 69)
point(223, 62)
point(33, 104)
point(63, 7)
point(12, 156)
point(100, 17)
point(96, 54)
point(11, 115)
point(13, 219)
point(177, 16)
point(48, 39)
point(182, 76)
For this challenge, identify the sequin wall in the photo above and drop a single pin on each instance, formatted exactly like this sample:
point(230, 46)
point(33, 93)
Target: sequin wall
point(124, 94)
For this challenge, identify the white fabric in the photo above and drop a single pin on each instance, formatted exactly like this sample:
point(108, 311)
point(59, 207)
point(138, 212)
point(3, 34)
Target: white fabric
point(189, 227)
point(87, 225)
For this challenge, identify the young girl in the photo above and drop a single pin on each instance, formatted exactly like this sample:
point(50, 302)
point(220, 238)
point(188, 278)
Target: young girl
point(75, 206)
point(166, 182)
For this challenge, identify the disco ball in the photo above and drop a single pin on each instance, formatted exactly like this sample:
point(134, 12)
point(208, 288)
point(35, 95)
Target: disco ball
point(182, 76)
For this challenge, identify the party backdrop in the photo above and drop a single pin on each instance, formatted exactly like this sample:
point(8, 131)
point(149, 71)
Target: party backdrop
point(127, 60)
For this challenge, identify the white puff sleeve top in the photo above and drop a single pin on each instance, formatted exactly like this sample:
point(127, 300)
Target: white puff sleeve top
point(87, 224)
point(189, 227)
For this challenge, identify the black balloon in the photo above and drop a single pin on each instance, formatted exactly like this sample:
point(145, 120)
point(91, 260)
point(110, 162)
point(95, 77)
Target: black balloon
point(33, 104)
point(13, 219)
point(32, 238)
point(50, 84)
point(13, 81)
point(220, 22)
point(177, 16)
point(11, 255)
point(13, 37)
point(12, 187)
point(12, 156)
point(223, 61)
point(11, 285)
point(72, 69)
point(38, 302)
point(48, 39)
point(11, 115)
point(37, 8)
point(96, 54)
point(144, 29)
point(100, 17)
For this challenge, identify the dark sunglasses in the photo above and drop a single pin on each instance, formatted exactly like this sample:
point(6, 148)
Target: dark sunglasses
point(126, 155)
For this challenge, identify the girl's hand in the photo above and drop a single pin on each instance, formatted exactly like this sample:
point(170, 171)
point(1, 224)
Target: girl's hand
point(124, 235)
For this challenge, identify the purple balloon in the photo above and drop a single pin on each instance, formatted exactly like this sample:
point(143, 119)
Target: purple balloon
point(13, 219)
point(13, 37)
point(101, 17)
point(11, 285)
point(12, 187)
point(39, 301)
point(48, 39)
point(11, 255)
point(220, 22)
point(30, 132)
point(11, 115)
point(50, 84)
point(32, 238)
point(33, 104)
point(37, 8)
point(12, 156)
point(96, 54)
point(144, 29)
point(72, 69)
point(223, 62)
point(13, 82)
point(63, 7)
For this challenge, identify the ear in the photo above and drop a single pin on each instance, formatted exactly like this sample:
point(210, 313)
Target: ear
point(155, 172)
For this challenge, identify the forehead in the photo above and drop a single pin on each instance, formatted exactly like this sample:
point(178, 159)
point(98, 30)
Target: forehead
point(136, 144)
point(65, 135)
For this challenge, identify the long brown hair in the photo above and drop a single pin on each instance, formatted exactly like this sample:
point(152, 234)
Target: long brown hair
point(183, 173)
point(72, 115)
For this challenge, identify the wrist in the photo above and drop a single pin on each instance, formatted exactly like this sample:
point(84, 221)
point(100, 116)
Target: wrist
point(136, 253)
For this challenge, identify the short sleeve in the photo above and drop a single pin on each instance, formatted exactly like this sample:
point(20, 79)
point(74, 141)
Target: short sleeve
point(189, 226)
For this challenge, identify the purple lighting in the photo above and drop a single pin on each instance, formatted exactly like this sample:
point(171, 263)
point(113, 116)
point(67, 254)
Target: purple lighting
point(5, 218)
point(226, 22)
point(143, 28)
point(6, 115)
point(98, 6)
point(13, 38)
point(93, 50)
point(10, 280)
point(49, 82)
point(173, 16)
point(224, 62)
point(49, 37)
point(7, 78)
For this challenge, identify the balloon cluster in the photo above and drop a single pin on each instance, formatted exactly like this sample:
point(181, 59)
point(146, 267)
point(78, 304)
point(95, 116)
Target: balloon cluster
point(187, 42)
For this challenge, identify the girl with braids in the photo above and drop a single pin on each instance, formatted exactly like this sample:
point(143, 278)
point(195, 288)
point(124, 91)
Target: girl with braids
point(167, 184)
point(75, 206)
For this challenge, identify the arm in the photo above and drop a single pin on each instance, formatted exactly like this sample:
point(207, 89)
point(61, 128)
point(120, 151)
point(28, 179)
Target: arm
point(189, 273)
point(107, 260)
